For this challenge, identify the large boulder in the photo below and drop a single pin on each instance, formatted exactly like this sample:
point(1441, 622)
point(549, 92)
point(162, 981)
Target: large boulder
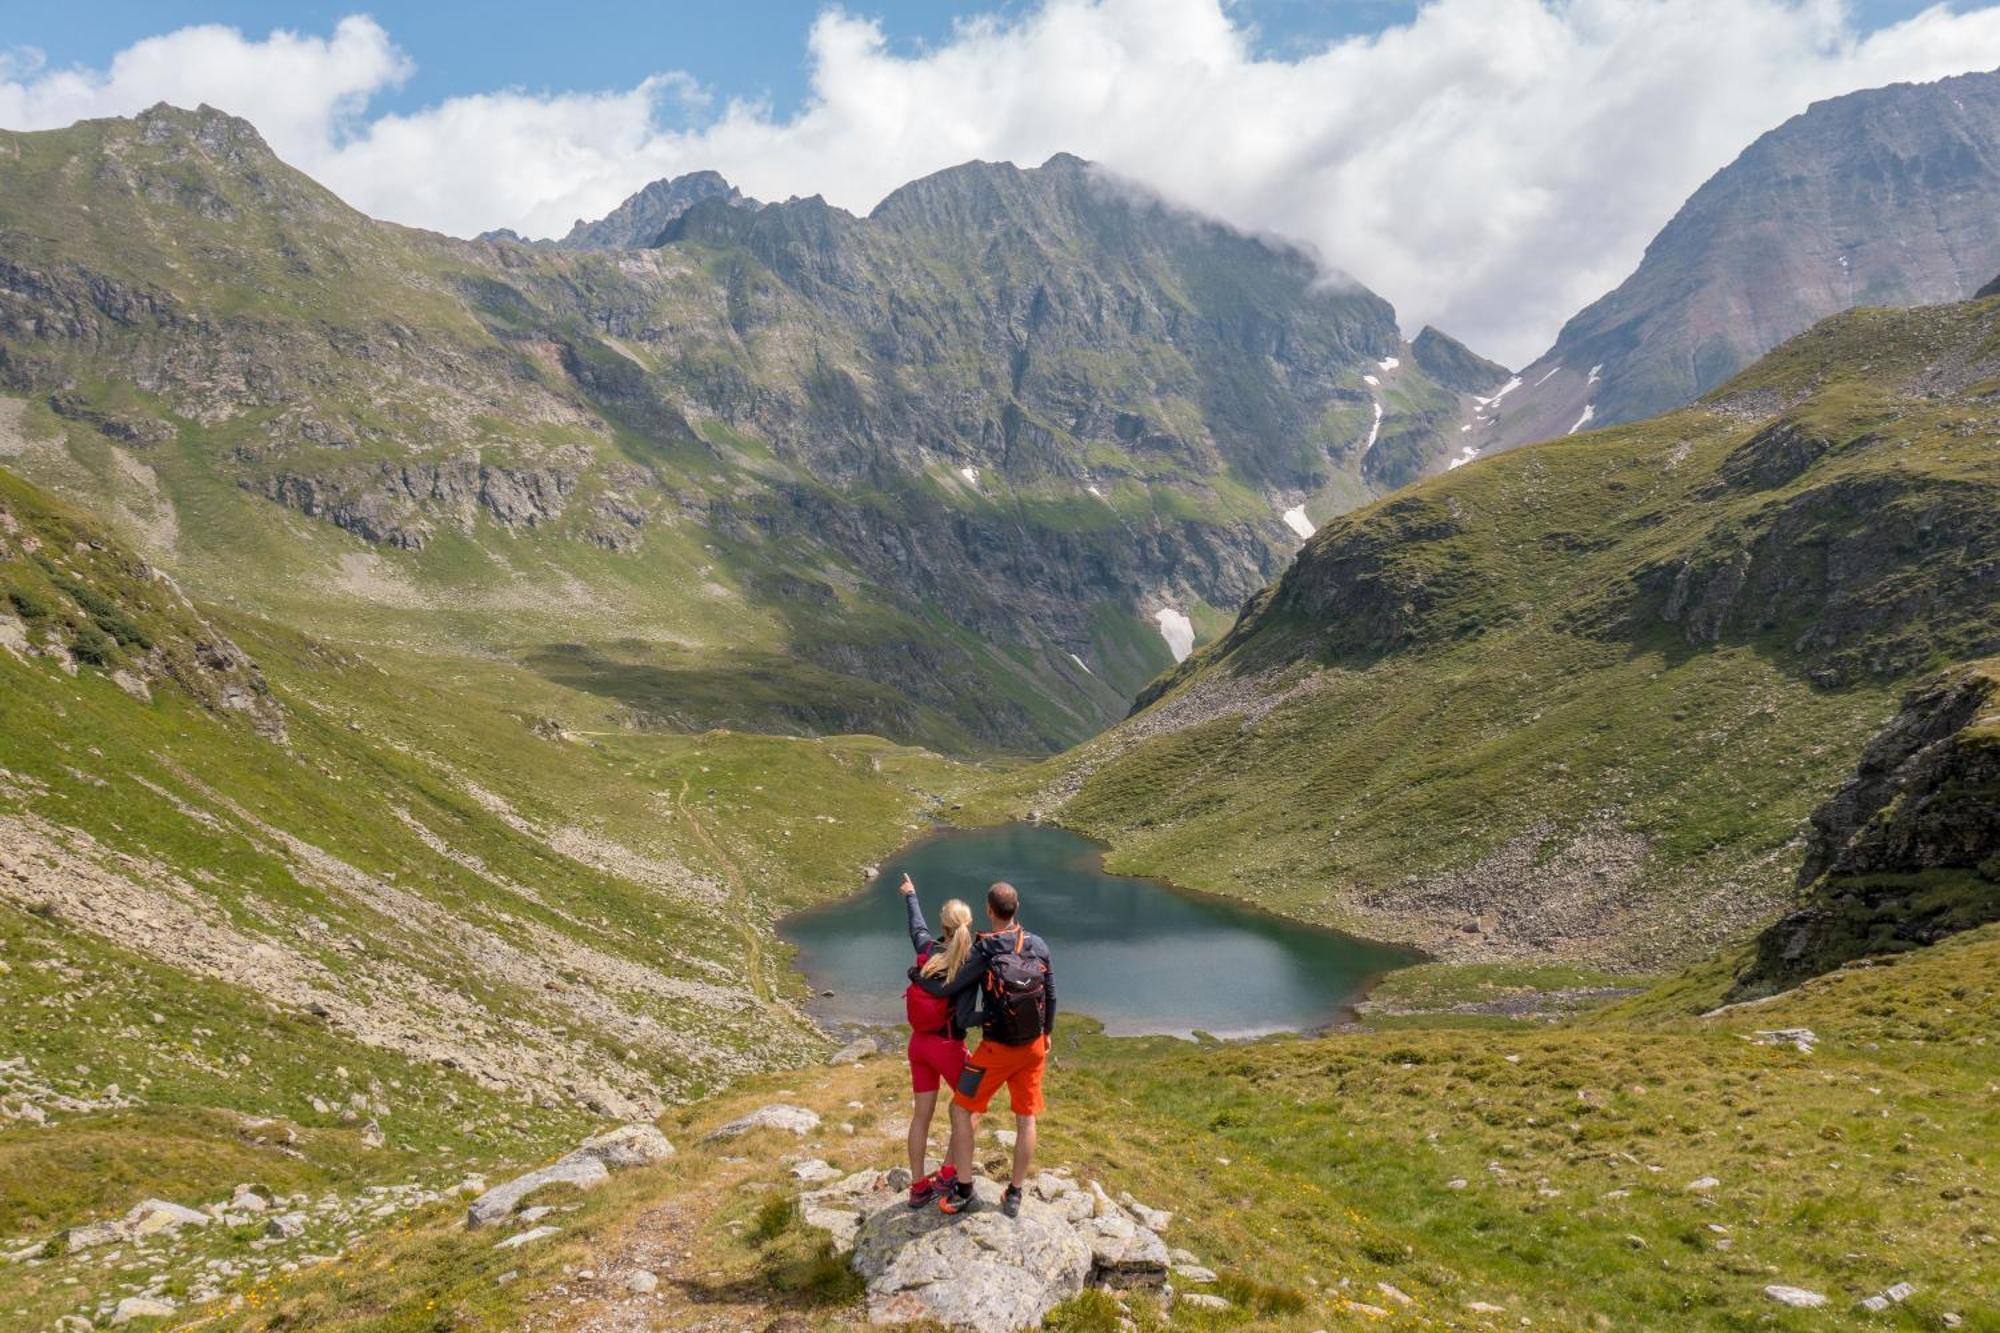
point(984, 1270)
point(499, 1203)
point(799, 1120)
point(590, 1164)
point(155, 1216)
point(627, 1145)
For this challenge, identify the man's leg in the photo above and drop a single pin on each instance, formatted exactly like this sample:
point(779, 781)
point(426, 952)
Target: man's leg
point(962, 1129)
point(920, 1131)
point(1024, 1148)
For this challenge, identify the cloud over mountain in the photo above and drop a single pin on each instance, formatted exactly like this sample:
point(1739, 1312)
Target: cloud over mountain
point(1491, 165)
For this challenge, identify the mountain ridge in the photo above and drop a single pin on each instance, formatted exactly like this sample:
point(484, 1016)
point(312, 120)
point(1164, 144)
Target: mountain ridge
point(890, 462)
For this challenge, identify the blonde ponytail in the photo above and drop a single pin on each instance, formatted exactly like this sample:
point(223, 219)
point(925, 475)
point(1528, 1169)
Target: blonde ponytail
point(956, 921)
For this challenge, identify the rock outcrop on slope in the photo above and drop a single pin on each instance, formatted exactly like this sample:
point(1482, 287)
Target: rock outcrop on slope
point(1889, 197)
point(1908, 850)
point(985, 1270)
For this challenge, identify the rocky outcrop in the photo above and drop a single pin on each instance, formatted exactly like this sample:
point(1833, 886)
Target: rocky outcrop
point(400, 504)
point(1908, 850)
point(1830, 573)
point(986, 1270)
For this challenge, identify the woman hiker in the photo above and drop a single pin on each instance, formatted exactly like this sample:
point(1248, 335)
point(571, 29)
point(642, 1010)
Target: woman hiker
point(937, 1043)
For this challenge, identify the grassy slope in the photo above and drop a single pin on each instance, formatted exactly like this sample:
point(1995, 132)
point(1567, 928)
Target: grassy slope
point(1529, 684)
point(639, 869)
point(1309, 1171)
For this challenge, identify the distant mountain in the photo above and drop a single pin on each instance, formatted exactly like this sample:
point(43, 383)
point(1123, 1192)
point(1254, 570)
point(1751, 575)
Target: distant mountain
point(640, 219)
point(1454, 365)
point(1887, 197)
point(936, 473)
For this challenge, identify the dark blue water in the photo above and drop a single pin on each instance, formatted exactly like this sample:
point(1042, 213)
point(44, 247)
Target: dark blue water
point(1139, 955)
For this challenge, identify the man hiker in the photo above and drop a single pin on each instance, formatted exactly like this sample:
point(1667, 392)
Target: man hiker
point(1007, 989)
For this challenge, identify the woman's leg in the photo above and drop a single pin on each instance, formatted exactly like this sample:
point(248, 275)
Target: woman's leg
point(920, 1131)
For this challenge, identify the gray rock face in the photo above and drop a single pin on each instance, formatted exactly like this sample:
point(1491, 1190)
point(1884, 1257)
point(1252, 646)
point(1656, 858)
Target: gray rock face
point(1925, 797)
point(780, 1115)
point(1796, 1297)
point(1068, 1234)
point(983, 1271)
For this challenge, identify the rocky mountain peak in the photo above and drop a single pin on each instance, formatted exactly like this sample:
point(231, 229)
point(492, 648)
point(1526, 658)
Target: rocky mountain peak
point(639, 221)
point(1887, 197)
point(1453, 364)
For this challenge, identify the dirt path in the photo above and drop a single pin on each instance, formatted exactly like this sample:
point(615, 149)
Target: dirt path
point(744, 905)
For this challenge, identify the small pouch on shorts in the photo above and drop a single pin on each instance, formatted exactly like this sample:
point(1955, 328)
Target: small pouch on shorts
point(969, 1079)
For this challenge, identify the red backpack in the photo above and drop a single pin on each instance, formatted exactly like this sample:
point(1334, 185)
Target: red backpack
point(929, 1014)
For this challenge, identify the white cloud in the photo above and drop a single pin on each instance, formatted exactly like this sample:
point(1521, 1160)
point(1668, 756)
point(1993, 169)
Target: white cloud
point(1490, 165)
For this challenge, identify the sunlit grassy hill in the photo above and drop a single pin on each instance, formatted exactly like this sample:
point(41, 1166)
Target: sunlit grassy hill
point(1579, 701)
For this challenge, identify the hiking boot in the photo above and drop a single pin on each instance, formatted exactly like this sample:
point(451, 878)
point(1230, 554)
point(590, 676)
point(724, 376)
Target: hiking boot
point(923, 1191)
point(1010, 1202)
point(958, 1199)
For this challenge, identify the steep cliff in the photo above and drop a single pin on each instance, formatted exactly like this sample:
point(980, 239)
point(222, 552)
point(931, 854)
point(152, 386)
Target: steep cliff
point(1908, 850)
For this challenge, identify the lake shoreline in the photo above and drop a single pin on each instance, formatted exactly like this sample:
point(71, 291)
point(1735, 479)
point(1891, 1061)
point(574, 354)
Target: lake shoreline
point(1300, 963)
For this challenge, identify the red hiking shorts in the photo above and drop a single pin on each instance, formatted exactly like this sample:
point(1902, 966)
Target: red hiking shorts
point(935, 1059)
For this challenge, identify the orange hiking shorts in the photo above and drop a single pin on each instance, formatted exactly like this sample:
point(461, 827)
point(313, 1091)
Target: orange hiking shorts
point(1019, 1067)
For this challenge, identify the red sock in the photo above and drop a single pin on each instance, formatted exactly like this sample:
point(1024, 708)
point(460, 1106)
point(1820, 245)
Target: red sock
point(947, 1172)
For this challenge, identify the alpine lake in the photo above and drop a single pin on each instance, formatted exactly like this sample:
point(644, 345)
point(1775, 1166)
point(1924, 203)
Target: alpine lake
point(1141, 956)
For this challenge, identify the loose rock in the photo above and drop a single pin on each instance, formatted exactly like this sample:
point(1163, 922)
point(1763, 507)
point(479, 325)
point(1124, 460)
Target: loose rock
point(1796, 1297)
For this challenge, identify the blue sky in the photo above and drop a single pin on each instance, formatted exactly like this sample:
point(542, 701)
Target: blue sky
point(750, 49)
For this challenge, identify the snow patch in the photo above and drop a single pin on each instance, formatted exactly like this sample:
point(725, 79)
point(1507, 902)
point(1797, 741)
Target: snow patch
point(1588, 412)
point(1553, 370)
point(1465, 455)
point(971, 475)
point(1388, 363)
point(1370, 381)
point(1513, 383)
point(1177, 630)
point(1094, 491)
point(1080, 662)
point(1374, 429)
point(1296, 520)
point(1596, 373)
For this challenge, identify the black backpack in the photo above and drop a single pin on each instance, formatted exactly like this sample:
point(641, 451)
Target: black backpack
point(1017, 996)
